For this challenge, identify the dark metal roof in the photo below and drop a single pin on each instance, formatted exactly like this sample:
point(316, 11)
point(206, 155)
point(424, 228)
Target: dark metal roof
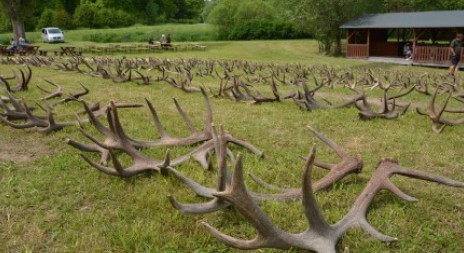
point(430, 19)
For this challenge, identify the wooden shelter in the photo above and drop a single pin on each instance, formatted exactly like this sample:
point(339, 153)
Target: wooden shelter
point(385, 35)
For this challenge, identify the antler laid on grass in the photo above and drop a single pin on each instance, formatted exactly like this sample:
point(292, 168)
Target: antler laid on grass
point(17, 112)
point(116, 138)
point(436, 116)
point(348, 165)
point(73, 96)
point(45, 124)
point(24, 79)
point(320, 236)
point(52, 94)
point(337, 172)
point(387, 111)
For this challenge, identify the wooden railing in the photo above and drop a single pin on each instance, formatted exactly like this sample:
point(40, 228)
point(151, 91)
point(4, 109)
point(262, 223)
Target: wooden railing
point(359, 51)
point(432, 55)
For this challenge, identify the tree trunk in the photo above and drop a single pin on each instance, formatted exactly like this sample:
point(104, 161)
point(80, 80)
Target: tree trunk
point(16, 11)
point(18, 29)
point(338, 45)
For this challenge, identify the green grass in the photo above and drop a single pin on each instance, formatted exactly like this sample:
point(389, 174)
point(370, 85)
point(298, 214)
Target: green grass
point(137, 33)
point(54, 201)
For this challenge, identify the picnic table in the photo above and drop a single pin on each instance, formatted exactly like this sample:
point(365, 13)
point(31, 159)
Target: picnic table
point(70, 51)
point(31, 49)
point(3, 50)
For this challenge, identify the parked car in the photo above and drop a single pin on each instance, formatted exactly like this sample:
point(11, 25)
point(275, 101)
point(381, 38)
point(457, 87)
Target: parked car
point(52, 34)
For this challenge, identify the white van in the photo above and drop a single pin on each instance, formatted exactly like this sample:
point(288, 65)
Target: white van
point(52, 34)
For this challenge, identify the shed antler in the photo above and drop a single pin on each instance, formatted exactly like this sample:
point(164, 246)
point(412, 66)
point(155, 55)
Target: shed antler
point(436, 116)
point(337, 172)
point(348, 165)
point(321, 236)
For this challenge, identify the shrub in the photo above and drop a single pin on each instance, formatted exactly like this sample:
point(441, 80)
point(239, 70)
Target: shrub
point(62, 19)
point(86, 15)
point(251, 20)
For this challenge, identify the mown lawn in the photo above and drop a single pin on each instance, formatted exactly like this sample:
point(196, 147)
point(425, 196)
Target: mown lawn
point(52, 201)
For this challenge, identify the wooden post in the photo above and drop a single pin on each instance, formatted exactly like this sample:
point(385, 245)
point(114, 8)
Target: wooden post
point(368, 42)
point(347, 42)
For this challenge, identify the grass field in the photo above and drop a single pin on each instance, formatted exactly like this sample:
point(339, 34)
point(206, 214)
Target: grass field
point(137, 33)
point(52, 201)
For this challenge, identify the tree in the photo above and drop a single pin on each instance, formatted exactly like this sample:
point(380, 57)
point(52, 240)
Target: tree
point(324, 18)
point(17, 11)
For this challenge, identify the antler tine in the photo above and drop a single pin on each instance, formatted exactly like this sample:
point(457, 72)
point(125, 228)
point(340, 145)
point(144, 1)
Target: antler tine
point(156, 120)
point(348, 165)
point(407, 92)
point(52, 124)
point(223, 172)
point(443, 108)
point(94, 121)
point(107, 170)
point(209, 112)
point(311, 209)
point(248, 146)
point(184, 116)
point(208, 207)
point(385, 107)
point(334, 146)
point(57, 93)
point(237, 194)
point(425, 176)
point(381, 180)
point(223, 179)
point(33, 121)
point(117, 127)
point(7, 84)
point(199, 189)
point(431, 106)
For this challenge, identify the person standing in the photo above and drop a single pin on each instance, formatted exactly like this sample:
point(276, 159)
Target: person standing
point(455, 49)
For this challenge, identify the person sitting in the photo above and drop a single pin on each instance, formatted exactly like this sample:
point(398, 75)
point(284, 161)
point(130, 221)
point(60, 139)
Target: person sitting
point(407, 51)
point(150, 41)
point(163, 39)
point(13, 46)
point(23, 44)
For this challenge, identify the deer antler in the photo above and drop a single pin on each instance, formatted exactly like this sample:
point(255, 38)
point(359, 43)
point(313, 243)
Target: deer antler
point(337, 172)
point(44, 124)
point(73, 96)
point(18, 112)
point(386, 112)
point(117, 139)
point(438, 123)
point(348, 165)
point(57, 93)
point(321, 236)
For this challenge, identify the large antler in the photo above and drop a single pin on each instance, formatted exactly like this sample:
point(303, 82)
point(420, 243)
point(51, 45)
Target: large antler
point(436, 116)
point(386, 112)
point(52, 94)
point(348, 165)
point(73, 96)
point(337, 172)
point(44, 124)
point(321, 236)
